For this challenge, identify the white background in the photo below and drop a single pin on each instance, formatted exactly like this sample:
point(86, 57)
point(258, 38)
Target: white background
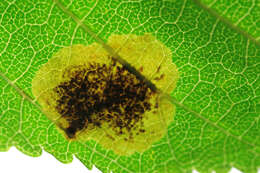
point(13, 161)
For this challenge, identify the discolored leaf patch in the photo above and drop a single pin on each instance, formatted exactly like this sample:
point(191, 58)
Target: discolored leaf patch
point(90, 95)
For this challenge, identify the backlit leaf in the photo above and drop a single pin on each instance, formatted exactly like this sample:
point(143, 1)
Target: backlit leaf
point(217, 97)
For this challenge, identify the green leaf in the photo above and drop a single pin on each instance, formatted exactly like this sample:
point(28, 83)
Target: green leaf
point(217, 97)
point(243, 14)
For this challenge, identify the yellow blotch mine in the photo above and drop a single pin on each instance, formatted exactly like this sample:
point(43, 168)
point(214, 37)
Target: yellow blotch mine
point(89, 95)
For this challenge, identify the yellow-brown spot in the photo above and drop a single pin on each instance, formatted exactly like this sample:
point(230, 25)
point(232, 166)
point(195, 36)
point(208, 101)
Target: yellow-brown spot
point(102, 93)
point(91, 96)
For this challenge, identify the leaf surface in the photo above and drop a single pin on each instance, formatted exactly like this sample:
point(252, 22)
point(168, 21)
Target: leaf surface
point(217, 97)
point(243, 14)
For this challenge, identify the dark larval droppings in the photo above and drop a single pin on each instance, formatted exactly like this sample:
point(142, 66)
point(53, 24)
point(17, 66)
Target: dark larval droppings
point(102, 93)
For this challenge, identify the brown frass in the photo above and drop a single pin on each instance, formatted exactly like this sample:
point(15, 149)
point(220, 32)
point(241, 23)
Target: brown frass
point(103, 93)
